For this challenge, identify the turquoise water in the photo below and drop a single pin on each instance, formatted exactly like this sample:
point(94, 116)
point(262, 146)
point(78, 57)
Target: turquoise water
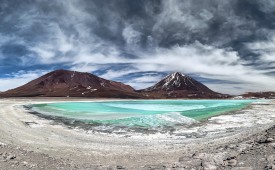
point(141, 113)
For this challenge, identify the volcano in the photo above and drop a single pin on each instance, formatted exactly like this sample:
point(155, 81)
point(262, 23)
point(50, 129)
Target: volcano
point(178, 85)
point(65, 83)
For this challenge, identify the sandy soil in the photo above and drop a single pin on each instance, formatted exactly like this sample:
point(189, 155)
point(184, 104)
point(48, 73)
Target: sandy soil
point(31, 142)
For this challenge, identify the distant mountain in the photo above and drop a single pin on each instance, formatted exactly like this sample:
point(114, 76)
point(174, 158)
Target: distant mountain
point(266, 95)
point(178, 85)
point(64, 83)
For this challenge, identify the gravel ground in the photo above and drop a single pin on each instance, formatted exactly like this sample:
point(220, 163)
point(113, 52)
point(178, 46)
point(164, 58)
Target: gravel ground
point(255, 153)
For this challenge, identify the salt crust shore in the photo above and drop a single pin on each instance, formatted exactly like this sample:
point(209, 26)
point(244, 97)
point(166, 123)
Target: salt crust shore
point(85, 150)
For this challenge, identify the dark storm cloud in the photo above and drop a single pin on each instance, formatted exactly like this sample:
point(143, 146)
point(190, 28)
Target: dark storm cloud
point(125, 38)
point(181, 22)
point(167, 23)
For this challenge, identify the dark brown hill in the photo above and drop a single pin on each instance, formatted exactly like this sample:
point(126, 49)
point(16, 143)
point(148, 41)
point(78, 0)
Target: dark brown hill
point(64, 83)
point(266, 95)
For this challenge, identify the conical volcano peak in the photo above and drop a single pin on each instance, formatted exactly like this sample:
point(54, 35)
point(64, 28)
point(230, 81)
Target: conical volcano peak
point(178, 85)
point(178, 81)
point(175, 80)
point(175, 75)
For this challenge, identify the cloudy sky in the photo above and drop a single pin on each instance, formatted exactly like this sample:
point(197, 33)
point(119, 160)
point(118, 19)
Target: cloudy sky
point(227, 45)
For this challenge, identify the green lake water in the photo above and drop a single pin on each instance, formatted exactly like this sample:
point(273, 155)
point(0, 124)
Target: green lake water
point(142, 113)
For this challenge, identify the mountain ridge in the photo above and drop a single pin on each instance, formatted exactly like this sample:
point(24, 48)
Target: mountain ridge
point(178, 85)
point(66, 83)
point(177, 81)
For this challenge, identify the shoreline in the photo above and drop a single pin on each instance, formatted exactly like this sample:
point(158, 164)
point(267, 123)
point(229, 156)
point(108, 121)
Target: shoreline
point(86, 126)
point(80, 147)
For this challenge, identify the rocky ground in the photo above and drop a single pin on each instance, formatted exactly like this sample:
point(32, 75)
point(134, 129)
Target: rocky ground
point(19, 159)
point(255, 153)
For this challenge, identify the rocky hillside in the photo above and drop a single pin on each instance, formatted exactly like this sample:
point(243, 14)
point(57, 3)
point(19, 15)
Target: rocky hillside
point(266, 95)
point(178, 85)
point(64, 83)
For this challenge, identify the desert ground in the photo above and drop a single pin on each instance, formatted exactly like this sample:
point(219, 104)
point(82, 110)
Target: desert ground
point(243, 139)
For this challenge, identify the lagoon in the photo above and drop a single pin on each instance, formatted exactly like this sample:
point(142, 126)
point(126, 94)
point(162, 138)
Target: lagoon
point(141, 113)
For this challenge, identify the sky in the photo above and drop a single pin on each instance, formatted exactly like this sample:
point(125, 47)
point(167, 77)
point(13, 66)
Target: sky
point(227, 45)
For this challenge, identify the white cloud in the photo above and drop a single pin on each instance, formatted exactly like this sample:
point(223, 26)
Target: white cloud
point(266, 49)
point(131, 36)
point(67, 40)
point(84, 67)
point(20, 78)
point(208, 62)
point(204, 60)
point(113, 74)
point(144, 81)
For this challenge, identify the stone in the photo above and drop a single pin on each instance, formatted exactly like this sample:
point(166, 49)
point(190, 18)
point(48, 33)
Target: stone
point(25, 163)
point(231, 146)
point(176, 165)
point(198, 155)
point(119, 167)
point(261, 139)
point(272, 166)
point(269, 139)
point(2, 144)
point(230, 161)
point(10, 157)
point(32, 165)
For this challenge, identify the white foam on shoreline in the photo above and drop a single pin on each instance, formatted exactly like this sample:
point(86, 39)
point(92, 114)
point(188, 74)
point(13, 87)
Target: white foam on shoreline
point(222, 125)
point(131, 120)
point(259, 116)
